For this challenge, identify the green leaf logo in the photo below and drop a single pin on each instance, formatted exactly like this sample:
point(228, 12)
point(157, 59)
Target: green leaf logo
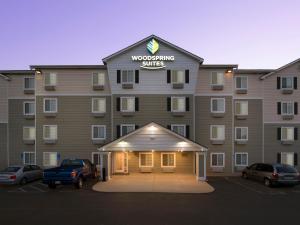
point(152, 46)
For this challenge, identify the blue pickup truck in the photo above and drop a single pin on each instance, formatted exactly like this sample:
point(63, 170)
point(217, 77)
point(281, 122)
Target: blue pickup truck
point(71, 171)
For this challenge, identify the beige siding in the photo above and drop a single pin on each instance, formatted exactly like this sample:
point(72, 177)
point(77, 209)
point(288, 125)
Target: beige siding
point(3, 100)
point(255, 86)
point(3, 145)
point(71, 82)
point(16, 87)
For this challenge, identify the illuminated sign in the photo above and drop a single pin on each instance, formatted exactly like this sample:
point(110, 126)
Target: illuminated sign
point(153, 62)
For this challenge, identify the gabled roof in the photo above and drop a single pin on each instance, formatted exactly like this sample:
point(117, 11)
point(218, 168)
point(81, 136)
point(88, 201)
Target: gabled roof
point(279, 69)
point(34, 67)
point(203, 148)
point(157, 38)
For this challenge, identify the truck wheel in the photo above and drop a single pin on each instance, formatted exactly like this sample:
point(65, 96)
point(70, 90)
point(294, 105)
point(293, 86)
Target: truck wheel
point(267, 182)
point(23, 181)
point(79, 184)
point(52, 186)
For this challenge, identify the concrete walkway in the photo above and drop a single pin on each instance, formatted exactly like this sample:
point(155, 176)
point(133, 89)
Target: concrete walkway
point(154, 182)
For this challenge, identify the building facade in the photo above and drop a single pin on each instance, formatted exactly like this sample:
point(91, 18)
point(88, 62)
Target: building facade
point(233, 117)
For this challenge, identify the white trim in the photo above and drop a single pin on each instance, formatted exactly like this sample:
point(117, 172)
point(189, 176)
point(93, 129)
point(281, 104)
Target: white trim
point(27, 152)
point(104, 126)
point(235, 133)
point(217, 153)
point(146, 153)
point(290, 88)
point(235, 80)
point(44, 126)
point(30, 89)
point(178, 97)
point(287, 102)
point(237, 153)
point(50, 99)
point(30, 127)
point(50, 73)
point(178, 125)
point(93, 105)
point(123, 125)
point(211, 76)
point(127, 97)
point(215, 125)
point(211, 105)
point(282, 132)
point(235, 107)
point(161, 159)
point(48, 165)
point(28, 102)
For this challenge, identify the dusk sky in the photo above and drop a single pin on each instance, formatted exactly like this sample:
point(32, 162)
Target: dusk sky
point(253, 34)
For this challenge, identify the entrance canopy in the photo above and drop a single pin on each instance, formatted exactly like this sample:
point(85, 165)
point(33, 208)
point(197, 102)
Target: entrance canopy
point(152, 137)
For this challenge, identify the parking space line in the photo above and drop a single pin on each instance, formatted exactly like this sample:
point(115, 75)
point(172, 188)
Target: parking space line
point(36, 188)
point(21, 189)
point(242, 185)
point(42, 184)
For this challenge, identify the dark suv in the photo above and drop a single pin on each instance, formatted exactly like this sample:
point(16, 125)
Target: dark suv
point(272, 174)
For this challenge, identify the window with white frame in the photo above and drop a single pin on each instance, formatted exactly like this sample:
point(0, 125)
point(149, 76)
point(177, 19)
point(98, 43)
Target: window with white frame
point(50, 159)
point(178, 76)
point(29, 83)
point(178, 104)
point(287, 82)
point(168, 159)
point(241, 83)
point(179, 129)
point(287, 133)
point(217, 132)
point(96, 158)
point(287, 108)
point(287, 158)
point(146, 159)
point(98, 132)
point(29, 108)
point(50, 105)
point(98, 105)
point(217, 105)
point(127, 104)
point(50, 132)
point(127, 76)
point(217, 159)
point(50, 79)
point(241, 159)
point(99, 79)
point(127, 128)
point(28, 158)
point(241, 133)
point(28, 133)
point(241, 108)
point(217, 78)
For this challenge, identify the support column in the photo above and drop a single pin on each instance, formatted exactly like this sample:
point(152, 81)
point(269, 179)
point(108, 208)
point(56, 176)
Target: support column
point(105, 159)
point(201, 166)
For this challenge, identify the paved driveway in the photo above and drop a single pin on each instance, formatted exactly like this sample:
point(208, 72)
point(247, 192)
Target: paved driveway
point(154, 182)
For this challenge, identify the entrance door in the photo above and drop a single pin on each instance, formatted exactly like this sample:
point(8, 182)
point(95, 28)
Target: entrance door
point(119, 162)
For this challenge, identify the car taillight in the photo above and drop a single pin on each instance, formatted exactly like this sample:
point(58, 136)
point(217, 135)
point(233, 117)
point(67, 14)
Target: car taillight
point(13, 177)
point(275, 175)
point(73, 174)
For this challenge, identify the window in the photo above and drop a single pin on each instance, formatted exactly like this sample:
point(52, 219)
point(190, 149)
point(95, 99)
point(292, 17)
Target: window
point(127, 128)
point(178, 104)
point(241, 83)
point(241, 108)
point(168, 159)
point(127, 76)
point(146, 159)
point(287, 83)
point(217, 78)
point(241, 159)
point(50, 105)
point(217, 105)
point(98, 79)
point(178, 76)
point(28, 158)
point(29, 108)
point(98, 105)
point(127, 104)
point(217, 160)
point(179, 129)
point(217, 132)
point(50, 132)
point(29, 83)
point(287, 108)
point(96, 158)
point(98, 132)
point(50, 79)
point(50, 159)
point(287, 158)
point(28, 133)
point(287, 133)
point(241, 133)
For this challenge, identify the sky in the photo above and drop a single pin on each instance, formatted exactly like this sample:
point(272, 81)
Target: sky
point(251, 33)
